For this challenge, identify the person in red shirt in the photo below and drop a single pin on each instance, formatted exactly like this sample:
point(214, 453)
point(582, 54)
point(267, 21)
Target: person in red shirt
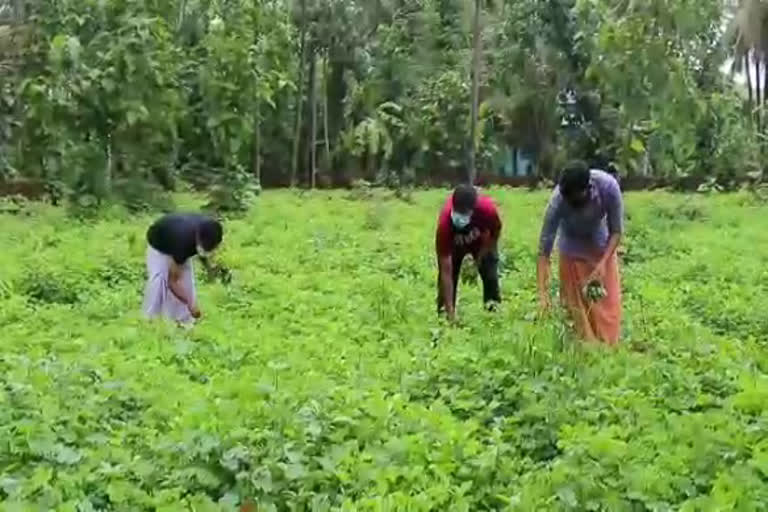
point(468, 224)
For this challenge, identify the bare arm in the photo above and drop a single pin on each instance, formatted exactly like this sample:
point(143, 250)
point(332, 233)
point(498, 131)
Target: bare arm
point(613, 244)
point(546, 243)
point(174, 283)
point(615, 220)
point(445, 265)
point(543, 270)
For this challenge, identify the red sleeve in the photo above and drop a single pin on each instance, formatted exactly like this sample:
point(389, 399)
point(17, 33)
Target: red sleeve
point(444, 235)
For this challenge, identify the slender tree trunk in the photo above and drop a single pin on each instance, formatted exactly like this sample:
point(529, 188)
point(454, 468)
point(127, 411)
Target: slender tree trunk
point(313, 119)
point(371, 165)
point(257, 144)
point(472, 171)
point(299, 95)
point(749, 83)
point(336, 92)
point(325, 111)
point(765, 79)
point(110, 167)
point(758, 100)
point(761, 107)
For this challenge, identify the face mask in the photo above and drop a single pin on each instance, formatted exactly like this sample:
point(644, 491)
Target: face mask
point(460, 220)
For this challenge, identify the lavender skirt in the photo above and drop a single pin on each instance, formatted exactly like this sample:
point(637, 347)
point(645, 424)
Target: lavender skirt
point(159, 300)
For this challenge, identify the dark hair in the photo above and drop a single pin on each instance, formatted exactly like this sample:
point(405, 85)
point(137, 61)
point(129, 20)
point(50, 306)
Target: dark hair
point(464, 198)
point(574, 179)
point(210, 234)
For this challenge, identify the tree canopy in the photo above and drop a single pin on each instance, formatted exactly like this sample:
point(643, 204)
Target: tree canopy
point(126, 98)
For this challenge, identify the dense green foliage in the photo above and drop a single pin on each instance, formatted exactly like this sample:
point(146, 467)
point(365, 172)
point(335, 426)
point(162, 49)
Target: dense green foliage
point(320, 378)
point(120, 98)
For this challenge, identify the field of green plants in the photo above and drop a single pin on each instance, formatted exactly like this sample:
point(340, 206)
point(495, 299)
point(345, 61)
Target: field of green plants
point(321, 379)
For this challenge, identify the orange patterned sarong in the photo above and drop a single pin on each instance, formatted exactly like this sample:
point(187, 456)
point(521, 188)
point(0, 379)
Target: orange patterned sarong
point(594, 321)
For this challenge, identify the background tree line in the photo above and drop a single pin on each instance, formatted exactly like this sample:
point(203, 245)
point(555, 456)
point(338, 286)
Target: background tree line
point(125, 99)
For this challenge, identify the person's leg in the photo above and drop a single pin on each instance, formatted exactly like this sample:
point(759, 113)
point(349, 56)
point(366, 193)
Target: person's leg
point(489, 273)
point(456, 259)
point(174, 308)
point(188, 282)
point(156, 288)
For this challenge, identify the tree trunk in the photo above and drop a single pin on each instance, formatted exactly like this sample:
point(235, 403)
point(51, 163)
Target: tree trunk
point(472, 170)
point(325, 111)
point(758, 100)
point(313, 118)
point(765, 78)
point(257, 144)
point(336, 92)
point(760, 107)
point(749, 83)
point(370, 165)
point(110, 167)
point(299, 95)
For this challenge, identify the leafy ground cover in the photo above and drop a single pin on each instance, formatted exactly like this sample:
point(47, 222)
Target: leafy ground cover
point(320, 378)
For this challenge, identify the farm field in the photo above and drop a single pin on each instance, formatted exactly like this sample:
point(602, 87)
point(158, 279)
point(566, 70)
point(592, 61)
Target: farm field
point(320, 378)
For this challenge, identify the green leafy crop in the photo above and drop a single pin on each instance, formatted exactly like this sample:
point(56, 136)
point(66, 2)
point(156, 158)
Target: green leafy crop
point(320, 378)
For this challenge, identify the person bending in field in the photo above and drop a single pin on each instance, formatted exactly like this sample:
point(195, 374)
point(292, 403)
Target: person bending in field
point(587, 209)
point(172, 242)
point(468, 224)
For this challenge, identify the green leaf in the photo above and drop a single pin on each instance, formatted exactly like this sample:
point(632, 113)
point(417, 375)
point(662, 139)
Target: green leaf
point(74, 48)
point(294, 471)
point(637, 146)
point(118, 491)
point(66, 455)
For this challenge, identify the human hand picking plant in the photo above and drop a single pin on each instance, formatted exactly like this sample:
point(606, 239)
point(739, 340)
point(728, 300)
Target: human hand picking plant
point(594, 291)
point(194, 311)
